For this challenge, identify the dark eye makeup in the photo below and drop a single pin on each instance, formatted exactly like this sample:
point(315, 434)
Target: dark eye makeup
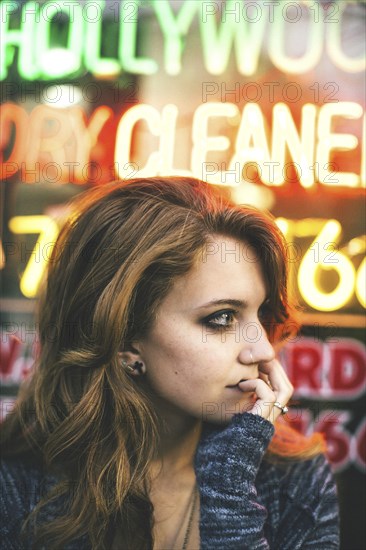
point(220, 319)
point(226, 317)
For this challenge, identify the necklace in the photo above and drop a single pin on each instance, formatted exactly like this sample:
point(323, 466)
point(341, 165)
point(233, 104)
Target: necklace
point(191, 508)
point(191, 515)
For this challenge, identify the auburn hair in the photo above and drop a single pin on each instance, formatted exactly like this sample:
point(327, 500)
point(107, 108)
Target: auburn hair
point(79, 414)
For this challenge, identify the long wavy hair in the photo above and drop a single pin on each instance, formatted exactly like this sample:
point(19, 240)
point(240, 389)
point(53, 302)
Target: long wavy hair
point(79, 414)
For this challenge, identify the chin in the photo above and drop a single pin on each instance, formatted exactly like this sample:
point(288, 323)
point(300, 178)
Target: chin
point(222, 413)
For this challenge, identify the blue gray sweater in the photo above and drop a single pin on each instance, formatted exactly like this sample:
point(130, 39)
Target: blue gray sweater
point(245, 502)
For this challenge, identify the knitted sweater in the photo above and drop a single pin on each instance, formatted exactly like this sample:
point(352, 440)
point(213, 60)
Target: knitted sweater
point(245, 502)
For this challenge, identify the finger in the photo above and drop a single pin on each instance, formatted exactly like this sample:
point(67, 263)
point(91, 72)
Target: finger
point(265, 378)
point(279, 383)
point(279, 380)
point(263, 404)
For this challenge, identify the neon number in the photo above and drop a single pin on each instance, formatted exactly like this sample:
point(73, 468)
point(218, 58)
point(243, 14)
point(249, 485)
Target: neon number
point(48, 231)
point(331, 424)
point(361, 283)
point(310, 272)
point(327, 256)
point(359, 446)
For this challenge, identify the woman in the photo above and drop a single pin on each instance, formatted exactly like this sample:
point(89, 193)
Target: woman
point(151, 419)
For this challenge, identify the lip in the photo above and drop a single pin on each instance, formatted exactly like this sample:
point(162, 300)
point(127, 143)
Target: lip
point(237, 384)
point(237, 391)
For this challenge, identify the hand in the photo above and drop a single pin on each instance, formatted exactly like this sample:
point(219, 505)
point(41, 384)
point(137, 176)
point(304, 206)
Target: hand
point(271, 386)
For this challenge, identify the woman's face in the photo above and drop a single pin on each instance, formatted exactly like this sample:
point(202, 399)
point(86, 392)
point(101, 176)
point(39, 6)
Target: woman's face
point(196, 353)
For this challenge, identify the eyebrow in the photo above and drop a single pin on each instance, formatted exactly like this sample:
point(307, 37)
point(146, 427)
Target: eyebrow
point(231, 301)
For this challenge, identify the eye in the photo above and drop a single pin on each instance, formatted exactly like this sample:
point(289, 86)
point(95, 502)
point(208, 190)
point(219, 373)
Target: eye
point(221, 319)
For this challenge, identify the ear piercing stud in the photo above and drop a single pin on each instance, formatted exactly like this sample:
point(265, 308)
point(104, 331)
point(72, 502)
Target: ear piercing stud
point(137, 368)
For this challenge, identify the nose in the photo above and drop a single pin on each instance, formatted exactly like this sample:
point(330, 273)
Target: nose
point(256, 347)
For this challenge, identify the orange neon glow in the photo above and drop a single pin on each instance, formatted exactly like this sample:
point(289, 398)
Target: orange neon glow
point(65, 139)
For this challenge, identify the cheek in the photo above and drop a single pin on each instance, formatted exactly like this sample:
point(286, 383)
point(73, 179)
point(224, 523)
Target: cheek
point(184, 357)
point(187, 375)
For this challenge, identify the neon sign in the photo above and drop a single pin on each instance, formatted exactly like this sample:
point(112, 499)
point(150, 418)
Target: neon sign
point(51, 144)
point(47, 229)
point(224, 28)
point(57, 144)
point(322, 255)
point(332, 370)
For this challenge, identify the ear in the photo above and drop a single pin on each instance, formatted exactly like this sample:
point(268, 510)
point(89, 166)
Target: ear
point(131, 352)
point(132, 363)
point(129, 357)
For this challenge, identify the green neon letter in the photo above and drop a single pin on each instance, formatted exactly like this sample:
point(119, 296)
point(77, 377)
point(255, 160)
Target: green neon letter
point(58, 61)
point(23, 37)
point(94, 63)
point(235, 26)
point(173, 30)
point(334, 44)
point(277, 38)
point(127, 42)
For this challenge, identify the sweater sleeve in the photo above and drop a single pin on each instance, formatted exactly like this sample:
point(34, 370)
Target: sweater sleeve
point(227, 461)
point(310, 518)
point(325, 534)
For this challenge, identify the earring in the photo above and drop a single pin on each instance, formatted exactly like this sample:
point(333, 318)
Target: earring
point(137, 368)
